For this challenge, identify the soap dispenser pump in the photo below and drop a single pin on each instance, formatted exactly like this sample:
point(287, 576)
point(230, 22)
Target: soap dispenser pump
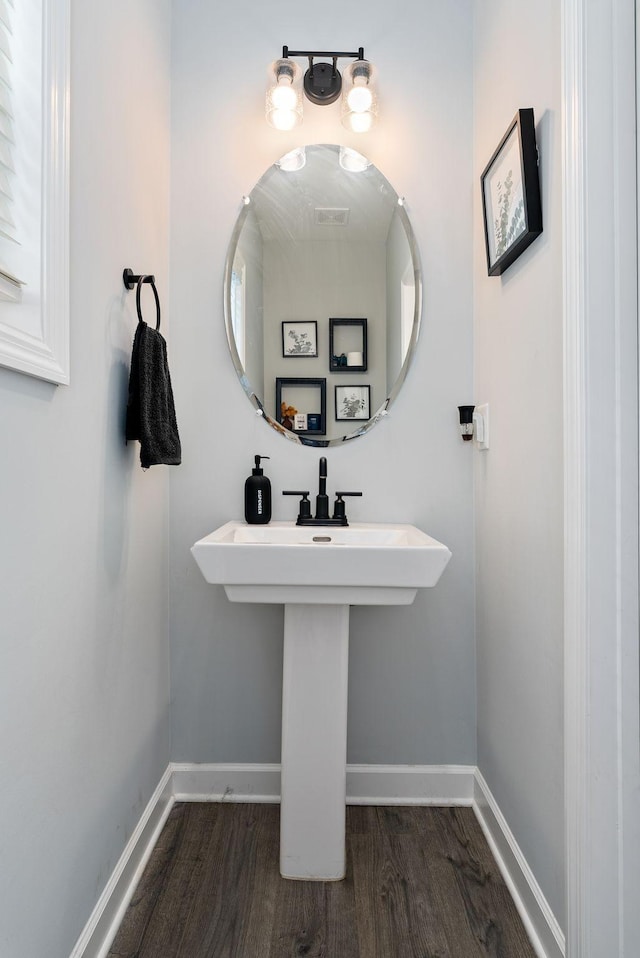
point(257, 496)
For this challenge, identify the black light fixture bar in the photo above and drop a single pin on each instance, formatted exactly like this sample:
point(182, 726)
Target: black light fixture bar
point(286, 52)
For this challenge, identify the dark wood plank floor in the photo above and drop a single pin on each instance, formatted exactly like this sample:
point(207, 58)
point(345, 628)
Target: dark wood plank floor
point(421, 883)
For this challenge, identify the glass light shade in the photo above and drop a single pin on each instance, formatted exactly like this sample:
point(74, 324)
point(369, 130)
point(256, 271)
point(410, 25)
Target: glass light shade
point(352, 161)
point(293, 161)
point(359, 97)
point(284, 98)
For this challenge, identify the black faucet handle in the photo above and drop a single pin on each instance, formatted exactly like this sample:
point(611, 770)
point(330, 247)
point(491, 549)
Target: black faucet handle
point(304, 508)
point(339, 511)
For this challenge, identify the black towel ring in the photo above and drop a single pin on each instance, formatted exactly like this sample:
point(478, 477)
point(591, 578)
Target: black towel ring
point(141, 281)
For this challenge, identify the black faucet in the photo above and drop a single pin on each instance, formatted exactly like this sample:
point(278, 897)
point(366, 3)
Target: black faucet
point(321, 517)
point(322, 499)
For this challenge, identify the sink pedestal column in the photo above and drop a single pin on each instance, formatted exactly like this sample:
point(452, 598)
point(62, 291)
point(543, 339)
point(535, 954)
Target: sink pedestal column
point(314, 742)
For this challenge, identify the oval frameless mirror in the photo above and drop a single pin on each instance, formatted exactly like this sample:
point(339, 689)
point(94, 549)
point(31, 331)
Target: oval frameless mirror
point(322, 295)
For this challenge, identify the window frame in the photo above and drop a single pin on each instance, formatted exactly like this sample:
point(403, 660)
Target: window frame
point(45, 355)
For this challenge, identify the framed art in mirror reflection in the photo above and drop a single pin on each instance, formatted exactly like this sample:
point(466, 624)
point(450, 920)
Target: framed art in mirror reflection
point(301, 405)
point(299, 340)
point(352, 403)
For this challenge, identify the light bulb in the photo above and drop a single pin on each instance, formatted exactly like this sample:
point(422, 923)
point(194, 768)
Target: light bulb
point(283, 119)
point(360, 97)
point(283, 96)
point(359, 122)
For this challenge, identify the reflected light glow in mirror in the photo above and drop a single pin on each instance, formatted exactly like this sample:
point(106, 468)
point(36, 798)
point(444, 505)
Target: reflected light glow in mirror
point(322, 295)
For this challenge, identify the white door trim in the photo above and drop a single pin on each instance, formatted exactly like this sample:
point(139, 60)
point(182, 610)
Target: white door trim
point(601, 476)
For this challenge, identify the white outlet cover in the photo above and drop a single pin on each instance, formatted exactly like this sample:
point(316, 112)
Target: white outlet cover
point(481, 426)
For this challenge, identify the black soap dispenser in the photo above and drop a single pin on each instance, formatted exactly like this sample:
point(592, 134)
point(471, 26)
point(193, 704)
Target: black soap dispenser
point(257, 496)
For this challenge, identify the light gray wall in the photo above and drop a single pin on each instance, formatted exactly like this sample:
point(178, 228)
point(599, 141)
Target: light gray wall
point(354, 288)
point(83, 561)
point(412, 690)
point(519, 481)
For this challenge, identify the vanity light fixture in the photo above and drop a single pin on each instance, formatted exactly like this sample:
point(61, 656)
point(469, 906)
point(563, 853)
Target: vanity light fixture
point(322, 84)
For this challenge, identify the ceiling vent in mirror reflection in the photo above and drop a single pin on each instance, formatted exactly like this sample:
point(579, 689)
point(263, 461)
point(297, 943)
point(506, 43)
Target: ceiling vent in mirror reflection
point(317, 244)
point(331, 217)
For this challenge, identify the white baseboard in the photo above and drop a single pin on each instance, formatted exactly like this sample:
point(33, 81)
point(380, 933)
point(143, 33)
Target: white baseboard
point(366, 785)
point(541, 924)
point(100, 930)
point(226, 783)
point(410, 784)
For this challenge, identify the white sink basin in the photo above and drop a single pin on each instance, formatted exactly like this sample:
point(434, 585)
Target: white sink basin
point(317, 572)
point(360, 564)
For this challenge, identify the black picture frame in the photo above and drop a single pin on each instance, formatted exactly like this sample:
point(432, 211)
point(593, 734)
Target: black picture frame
point(354, 402)
point(282, 383)
point(510, 186)
point(359, 341)
point(299, 339)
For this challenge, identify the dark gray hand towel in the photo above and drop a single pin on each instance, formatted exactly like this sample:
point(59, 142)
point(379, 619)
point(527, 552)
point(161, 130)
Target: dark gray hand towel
point(151, 416)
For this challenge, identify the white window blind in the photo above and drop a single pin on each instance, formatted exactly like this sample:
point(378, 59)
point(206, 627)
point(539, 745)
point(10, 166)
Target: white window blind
point(10, 285)
point(7, 168)
point(34, 200)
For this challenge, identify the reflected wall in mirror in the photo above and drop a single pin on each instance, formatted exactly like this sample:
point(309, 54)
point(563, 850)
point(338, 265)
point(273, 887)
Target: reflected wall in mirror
point(322, 283)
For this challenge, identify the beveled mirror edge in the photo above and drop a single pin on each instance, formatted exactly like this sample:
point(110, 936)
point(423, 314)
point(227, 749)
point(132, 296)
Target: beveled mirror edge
point(383, 410)
point(417, 310)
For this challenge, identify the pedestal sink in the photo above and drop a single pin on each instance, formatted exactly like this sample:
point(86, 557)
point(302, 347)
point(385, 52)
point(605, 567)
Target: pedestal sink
point(317, 573)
